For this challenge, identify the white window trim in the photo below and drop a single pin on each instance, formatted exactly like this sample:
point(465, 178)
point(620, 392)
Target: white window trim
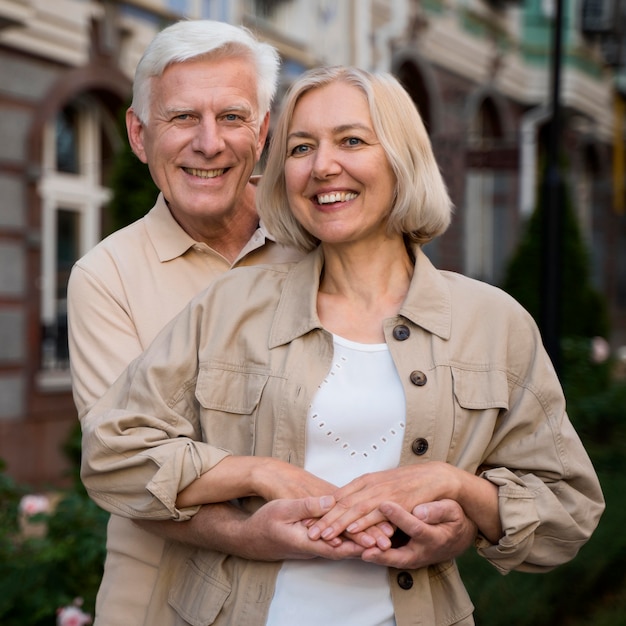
point(80, 192)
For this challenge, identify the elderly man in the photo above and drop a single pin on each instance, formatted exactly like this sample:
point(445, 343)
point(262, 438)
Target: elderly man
point(199, 119)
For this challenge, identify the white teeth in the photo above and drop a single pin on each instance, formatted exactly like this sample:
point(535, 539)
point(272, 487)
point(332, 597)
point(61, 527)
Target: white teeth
point(336, 196)
point(204, 173)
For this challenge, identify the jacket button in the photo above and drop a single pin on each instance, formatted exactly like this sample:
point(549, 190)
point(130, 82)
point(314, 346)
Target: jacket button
point(401, 332)
point(418, 378)
point(419, 446)
point(405, 580)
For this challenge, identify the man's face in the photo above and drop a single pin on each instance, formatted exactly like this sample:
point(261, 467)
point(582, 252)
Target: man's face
point(203, 138)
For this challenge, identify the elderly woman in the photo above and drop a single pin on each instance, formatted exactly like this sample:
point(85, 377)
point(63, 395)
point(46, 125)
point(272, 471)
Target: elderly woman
point(360, 374)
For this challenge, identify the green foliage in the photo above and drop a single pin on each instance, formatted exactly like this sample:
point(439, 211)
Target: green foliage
point(40, 574)
point(591, 589)
point(583, 311)
point(134, 191)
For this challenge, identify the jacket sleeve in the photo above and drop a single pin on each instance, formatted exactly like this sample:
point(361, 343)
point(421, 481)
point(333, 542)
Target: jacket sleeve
point(550, 497)
point(142, 441)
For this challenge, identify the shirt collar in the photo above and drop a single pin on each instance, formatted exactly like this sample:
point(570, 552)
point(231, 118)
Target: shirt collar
point(168, 238)
point(170, 241)
point(428, 302)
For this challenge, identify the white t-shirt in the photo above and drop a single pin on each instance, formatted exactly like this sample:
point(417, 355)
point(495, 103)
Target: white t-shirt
point(355, 425)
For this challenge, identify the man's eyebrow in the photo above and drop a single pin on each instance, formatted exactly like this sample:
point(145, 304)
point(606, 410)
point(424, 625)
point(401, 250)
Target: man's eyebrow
point(238, 108)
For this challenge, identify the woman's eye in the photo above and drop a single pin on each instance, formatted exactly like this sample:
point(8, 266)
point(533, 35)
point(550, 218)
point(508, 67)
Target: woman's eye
point(353, 141)
point(298, 150)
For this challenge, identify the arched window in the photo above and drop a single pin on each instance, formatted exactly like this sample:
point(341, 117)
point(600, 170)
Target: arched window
point(78, 148)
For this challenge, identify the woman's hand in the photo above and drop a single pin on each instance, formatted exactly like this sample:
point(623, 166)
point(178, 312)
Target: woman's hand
point(358, 502)
point(244, 476)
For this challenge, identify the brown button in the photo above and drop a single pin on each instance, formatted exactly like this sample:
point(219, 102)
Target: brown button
point(405, 580)
point(401, 332)
point(419, 446)
point(418, 378)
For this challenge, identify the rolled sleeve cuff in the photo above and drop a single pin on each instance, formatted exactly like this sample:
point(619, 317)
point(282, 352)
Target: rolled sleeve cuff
point(189, 462)
point(519, 519)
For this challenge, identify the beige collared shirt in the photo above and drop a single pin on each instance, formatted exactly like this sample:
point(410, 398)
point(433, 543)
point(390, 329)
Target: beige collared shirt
point(235, 374)
point(120, 295)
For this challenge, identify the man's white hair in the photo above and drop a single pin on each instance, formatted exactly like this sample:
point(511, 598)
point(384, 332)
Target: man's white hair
point(191, 39)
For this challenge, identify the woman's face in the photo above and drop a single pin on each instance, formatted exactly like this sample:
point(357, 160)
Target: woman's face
point(340, 184)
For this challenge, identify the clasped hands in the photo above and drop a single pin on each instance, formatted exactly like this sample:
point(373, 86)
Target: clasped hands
point(439, 507)
point(360, 519)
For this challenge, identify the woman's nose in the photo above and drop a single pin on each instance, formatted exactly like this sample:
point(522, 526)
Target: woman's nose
point(326, 162)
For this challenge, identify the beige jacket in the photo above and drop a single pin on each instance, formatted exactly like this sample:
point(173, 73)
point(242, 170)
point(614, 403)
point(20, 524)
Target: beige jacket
point(235, 373)
point(120, 295)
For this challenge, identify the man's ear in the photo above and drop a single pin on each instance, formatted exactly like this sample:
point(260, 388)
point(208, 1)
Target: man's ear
point(135, 130)
point(265, 126)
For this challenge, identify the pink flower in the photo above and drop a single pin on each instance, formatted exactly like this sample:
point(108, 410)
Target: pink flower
point(72, 616)
point(33, 504)
point(600, 350)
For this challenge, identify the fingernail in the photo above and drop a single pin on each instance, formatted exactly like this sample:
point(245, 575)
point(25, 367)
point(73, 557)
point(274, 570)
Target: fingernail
point(327, 533)
point(314, 532)
point(352, 528)
point(421, 511)
point(326, 502)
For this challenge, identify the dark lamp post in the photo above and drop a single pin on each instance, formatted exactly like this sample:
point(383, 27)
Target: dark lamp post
point(552, 197)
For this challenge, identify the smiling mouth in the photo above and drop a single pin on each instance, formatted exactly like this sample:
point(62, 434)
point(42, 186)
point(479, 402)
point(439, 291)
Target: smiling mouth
point(335, 196)
point(204, 173)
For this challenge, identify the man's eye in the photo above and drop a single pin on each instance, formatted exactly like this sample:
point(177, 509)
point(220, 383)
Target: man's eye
point(231, 117)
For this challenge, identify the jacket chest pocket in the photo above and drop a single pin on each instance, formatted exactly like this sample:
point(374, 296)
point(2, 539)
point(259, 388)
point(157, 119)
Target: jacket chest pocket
point(229, 399)
point(481, 398)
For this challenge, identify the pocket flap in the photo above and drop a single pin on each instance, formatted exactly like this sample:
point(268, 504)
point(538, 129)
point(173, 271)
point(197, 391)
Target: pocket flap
point(197, 596)
point(481, 389)
point(232, 390)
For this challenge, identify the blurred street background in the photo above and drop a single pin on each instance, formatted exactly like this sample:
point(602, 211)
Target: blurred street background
point(525, 104)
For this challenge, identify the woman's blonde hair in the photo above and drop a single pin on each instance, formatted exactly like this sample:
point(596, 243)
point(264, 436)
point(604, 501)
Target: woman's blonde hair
point(422, 208)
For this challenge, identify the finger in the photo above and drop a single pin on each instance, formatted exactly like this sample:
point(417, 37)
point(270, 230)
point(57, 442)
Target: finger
point(438, 512)
point(400, 558)
point(313, 507)
point(352, 520)
point(344, 550)
point(402, 519)
point(374, 536)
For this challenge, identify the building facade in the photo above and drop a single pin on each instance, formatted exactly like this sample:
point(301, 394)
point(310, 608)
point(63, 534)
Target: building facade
point(479, 71)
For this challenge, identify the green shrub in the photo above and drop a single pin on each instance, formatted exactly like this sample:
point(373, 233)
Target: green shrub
point(40, 573)
point(134, 192)
point(583, 312)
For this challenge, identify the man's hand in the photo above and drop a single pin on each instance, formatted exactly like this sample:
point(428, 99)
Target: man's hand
point(438, 531)
point(276, 531)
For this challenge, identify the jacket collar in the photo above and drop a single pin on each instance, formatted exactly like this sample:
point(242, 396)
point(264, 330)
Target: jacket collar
point(170, 241)
point(428, 302)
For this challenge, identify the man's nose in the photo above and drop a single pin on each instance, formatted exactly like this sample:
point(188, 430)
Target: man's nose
point(208, 137)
